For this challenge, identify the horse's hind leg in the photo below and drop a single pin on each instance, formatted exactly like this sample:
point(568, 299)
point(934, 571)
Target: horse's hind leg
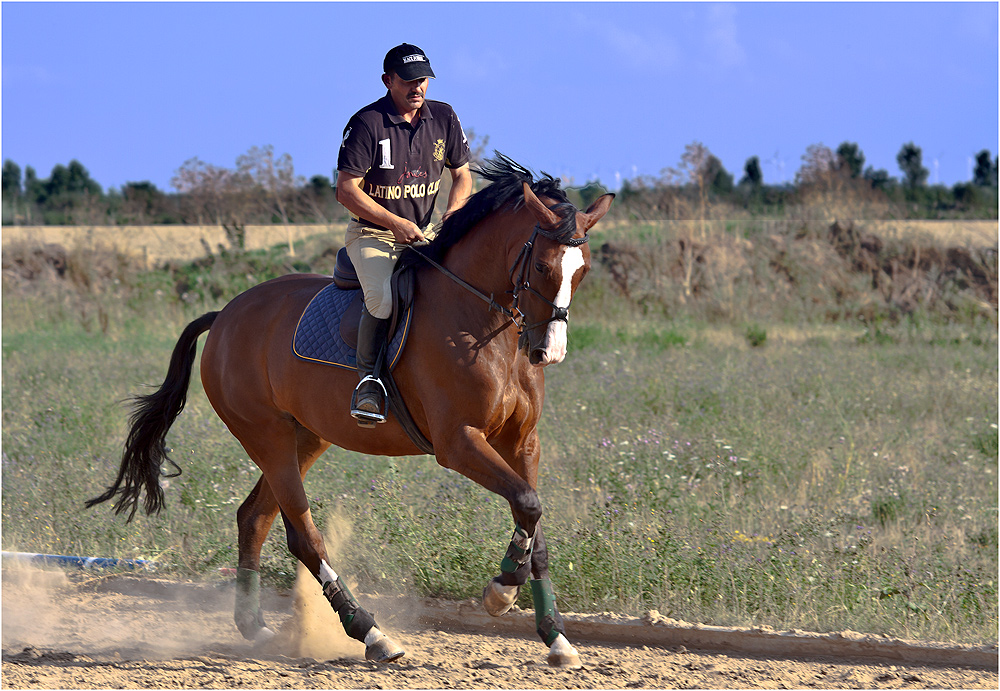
point(254, 519)
point(269, 445)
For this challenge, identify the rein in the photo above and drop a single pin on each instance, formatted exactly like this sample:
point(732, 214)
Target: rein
point(520, 285)
point(488, 299)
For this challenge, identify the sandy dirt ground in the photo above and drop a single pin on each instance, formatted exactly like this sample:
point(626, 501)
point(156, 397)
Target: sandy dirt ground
point(78, 630)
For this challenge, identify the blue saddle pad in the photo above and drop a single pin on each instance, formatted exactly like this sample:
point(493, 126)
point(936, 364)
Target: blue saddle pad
point(317, 336)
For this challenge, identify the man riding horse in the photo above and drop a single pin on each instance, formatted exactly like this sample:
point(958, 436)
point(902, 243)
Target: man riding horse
point(389, 171)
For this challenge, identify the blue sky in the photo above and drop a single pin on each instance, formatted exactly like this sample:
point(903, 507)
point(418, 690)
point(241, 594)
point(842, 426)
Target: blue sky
point(583, 91)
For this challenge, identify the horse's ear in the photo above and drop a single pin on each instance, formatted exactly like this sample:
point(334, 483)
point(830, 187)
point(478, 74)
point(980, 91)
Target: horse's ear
point(585, 220)
point(542, 213)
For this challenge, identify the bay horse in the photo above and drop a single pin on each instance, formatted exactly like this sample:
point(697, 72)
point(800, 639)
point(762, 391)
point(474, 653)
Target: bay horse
point(471, 376)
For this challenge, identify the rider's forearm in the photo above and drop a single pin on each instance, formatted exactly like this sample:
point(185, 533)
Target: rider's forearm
point(461, 188)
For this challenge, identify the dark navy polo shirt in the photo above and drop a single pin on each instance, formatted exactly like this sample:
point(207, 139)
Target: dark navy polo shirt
point(401, 164)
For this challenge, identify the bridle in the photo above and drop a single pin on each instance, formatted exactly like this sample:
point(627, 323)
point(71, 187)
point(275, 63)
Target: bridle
point(520, 284)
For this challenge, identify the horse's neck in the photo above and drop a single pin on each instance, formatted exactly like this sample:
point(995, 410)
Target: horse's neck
point(481, 259)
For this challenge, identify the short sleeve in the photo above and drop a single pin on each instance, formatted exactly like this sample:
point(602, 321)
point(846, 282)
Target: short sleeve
point(458, 153)
point(357, 149)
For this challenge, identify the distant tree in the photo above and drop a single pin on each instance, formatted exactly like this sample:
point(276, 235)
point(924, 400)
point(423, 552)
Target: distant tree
point(826, 187)
point(12, 207)
point(696, 171)
point(11, 179)
point(966, 194)
point(273, 178)
point(985, 174)
point(69, 195)
point(879, 179)
point(141, 201)
point(720, 181)
point(910, 160)
point(818, 163)
point(70, 180)
point(80, 181)
point(33, 188)
point(320, 185)
point(273, 183)
point(317, 199)
point(589, 192)
point(211, 195)
point(849, 156)
point(752, 175)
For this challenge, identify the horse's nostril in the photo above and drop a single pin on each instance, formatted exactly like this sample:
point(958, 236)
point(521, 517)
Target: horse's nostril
point(537, 356)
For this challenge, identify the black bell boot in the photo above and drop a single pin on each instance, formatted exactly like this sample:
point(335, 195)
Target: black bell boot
point(368, 402)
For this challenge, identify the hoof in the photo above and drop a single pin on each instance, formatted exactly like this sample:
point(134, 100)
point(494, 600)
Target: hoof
point(263, 636)
point(384, 649)
point(562, 654)
point(499, 598)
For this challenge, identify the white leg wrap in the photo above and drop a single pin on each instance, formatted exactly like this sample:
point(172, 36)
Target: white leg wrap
point(373, 636)
point(263, 636)
point(326, 574)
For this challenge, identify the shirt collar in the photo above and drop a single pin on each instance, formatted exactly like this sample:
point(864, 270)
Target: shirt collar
point(393, 114)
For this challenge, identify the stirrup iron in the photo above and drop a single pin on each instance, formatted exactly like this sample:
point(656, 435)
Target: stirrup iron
point(367, 418)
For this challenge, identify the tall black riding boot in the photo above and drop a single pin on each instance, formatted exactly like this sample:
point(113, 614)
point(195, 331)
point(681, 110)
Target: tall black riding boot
point(368, 402)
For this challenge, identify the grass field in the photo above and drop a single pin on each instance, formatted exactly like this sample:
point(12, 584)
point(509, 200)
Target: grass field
point(793, 473)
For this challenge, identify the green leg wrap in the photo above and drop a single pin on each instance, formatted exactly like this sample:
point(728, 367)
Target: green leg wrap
point(518, 552)
point(548, 623)
point(247, 614)
point(354, 618)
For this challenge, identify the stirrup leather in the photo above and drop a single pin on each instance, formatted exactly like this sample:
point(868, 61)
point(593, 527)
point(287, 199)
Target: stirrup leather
point(366, 416)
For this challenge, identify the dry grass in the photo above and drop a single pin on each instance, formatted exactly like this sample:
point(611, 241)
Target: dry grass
point(156, 244)
point(161, 243)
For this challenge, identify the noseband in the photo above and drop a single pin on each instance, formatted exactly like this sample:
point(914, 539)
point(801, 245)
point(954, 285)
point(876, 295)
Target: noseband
point(522, 285)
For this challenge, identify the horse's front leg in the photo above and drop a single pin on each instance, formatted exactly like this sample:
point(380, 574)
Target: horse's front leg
point(548, 621)
point(526, 554)
point(523, 554)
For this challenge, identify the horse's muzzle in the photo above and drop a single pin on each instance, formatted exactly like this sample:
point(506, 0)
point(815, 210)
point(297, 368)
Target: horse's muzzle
point(552, 348)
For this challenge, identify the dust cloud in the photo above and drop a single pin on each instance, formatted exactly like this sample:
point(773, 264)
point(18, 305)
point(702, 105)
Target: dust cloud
point(314, 629)
point(45, 609)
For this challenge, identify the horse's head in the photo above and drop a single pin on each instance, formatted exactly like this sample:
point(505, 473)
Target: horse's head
point(548, 271)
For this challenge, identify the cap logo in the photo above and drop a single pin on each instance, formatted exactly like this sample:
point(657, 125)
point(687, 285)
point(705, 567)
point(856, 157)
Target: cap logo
point(414, 58)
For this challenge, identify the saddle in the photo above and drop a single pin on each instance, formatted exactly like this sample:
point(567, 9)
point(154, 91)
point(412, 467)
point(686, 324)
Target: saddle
point(327, 332)
point(346, 278)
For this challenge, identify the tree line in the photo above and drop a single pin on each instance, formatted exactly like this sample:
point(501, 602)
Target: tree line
point(263, 188)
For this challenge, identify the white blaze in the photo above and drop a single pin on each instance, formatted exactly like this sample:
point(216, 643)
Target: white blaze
point(572, 261)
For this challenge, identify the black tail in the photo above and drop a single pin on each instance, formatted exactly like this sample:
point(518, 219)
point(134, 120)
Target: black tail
point(145, 448)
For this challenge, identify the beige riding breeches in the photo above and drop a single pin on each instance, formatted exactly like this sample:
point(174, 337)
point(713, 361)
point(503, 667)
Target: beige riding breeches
point(374, 253)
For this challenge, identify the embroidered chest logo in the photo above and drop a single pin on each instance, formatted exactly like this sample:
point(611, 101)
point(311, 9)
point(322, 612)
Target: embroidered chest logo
point(439, 150)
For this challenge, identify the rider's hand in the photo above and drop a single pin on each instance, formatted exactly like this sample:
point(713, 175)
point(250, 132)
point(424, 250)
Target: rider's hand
point(407, 232)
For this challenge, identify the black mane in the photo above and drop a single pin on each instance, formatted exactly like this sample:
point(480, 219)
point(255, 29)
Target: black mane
point(505, 190)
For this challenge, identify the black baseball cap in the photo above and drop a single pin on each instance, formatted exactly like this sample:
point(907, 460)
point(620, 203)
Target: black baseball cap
point(408, 62)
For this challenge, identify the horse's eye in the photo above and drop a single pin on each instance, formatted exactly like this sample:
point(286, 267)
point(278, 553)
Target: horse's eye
point(540, 268)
